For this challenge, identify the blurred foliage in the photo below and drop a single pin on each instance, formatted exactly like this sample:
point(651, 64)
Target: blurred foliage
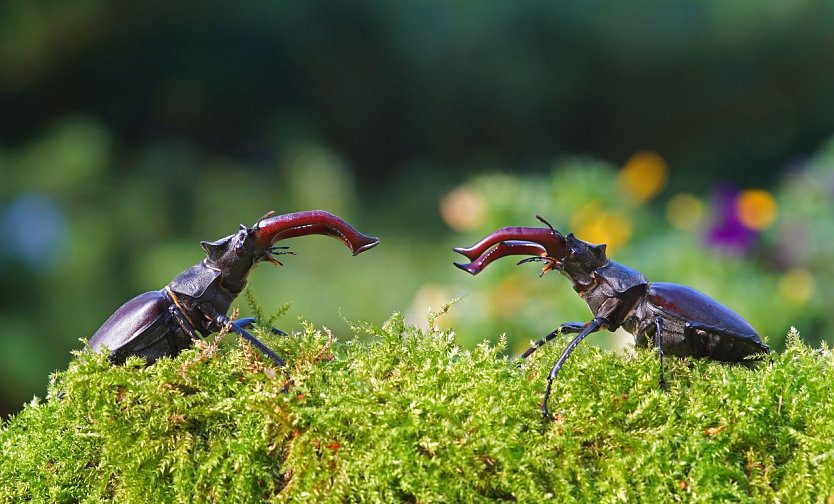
point(721, 88)
point(130, 132)
point(410, 416)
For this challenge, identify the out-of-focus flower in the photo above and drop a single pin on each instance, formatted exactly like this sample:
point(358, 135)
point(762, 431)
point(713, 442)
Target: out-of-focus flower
point(508, 297)
point(685, 211)
point(595, 224)
point(463, 209)
point(797, 285)
point(727, 231)
point(430, 297)
point(756, 208)
point(643, 175)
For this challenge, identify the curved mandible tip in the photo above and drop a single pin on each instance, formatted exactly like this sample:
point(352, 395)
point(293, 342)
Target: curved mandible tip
point(270, 229)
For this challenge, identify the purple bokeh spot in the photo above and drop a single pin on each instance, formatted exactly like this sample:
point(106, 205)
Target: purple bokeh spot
point(727, 231)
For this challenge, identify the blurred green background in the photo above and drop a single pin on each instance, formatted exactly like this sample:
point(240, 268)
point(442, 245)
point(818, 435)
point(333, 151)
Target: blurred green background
point(691, 136)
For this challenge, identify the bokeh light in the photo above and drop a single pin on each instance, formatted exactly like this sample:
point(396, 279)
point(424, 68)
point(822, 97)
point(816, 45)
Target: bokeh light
point(756, 208)
point(797, 285)
point(685, 211)
point(463, 209)
point(644, 175)
point(596, 224)
point(430, 299)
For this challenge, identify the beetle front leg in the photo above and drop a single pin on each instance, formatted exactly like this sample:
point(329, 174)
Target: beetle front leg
point(593, 326)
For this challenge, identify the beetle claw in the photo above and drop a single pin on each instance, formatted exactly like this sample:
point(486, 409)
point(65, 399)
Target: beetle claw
point(550, 263)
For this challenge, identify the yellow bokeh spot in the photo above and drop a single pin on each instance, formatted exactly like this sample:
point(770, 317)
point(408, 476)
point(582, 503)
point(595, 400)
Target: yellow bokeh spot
point(463, 209)
point(685, 211)
point(797, 285)
point(430, 297)
point(596, 225)
point(643, 175)
point(509, 297)
point(756, 208)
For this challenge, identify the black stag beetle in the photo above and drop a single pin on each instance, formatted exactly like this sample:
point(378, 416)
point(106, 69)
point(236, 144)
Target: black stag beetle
point(679, 320)
point(194, 304)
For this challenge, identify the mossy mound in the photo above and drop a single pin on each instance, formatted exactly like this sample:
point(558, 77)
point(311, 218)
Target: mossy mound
point(409, 416)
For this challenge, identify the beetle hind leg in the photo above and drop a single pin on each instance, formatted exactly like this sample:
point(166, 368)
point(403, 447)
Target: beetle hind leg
point(654, 330)
point(658, 323)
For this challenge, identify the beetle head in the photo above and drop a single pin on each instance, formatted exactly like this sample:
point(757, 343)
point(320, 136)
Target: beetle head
point(235, 255)
point(580, 260)
point(569, 255)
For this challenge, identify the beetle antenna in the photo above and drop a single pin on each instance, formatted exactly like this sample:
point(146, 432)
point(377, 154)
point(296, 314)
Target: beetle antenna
point(266, 216)
point(543, 220)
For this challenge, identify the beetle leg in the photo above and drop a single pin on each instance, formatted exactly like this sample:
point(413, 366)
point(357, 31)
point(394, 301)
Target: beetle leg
point(247, 321)
point(658, 323)
point(566, 328)
point(655, 330)
point(184, 323)
point(255, 341)
point(593, 326)
point(223, 321)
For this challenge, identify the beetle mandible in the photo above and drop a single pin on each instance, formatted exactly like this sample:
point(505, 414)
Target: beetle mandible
point(679, 320)
point(195, 303)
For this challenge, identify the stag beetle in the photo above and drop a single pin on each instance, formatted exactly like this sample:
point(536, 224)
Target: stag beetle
point(679, 320)
point(194, 304)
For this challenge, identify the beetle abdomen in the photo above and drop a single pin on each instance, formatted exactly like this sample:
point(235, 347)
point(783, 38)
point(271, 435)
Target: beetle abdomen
point(690, 304)
point(716, 331)
point(146, 315)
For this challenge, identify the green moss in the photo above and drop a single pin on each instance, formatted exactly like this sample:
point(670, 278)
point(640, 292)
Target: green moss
point(409, 416)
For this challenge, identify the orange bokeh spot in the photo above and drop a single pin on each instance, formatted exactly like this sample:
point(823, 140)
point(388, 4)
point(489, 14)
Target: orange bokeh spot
point(463, 209)
point(643, 175)
point(756, 208)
